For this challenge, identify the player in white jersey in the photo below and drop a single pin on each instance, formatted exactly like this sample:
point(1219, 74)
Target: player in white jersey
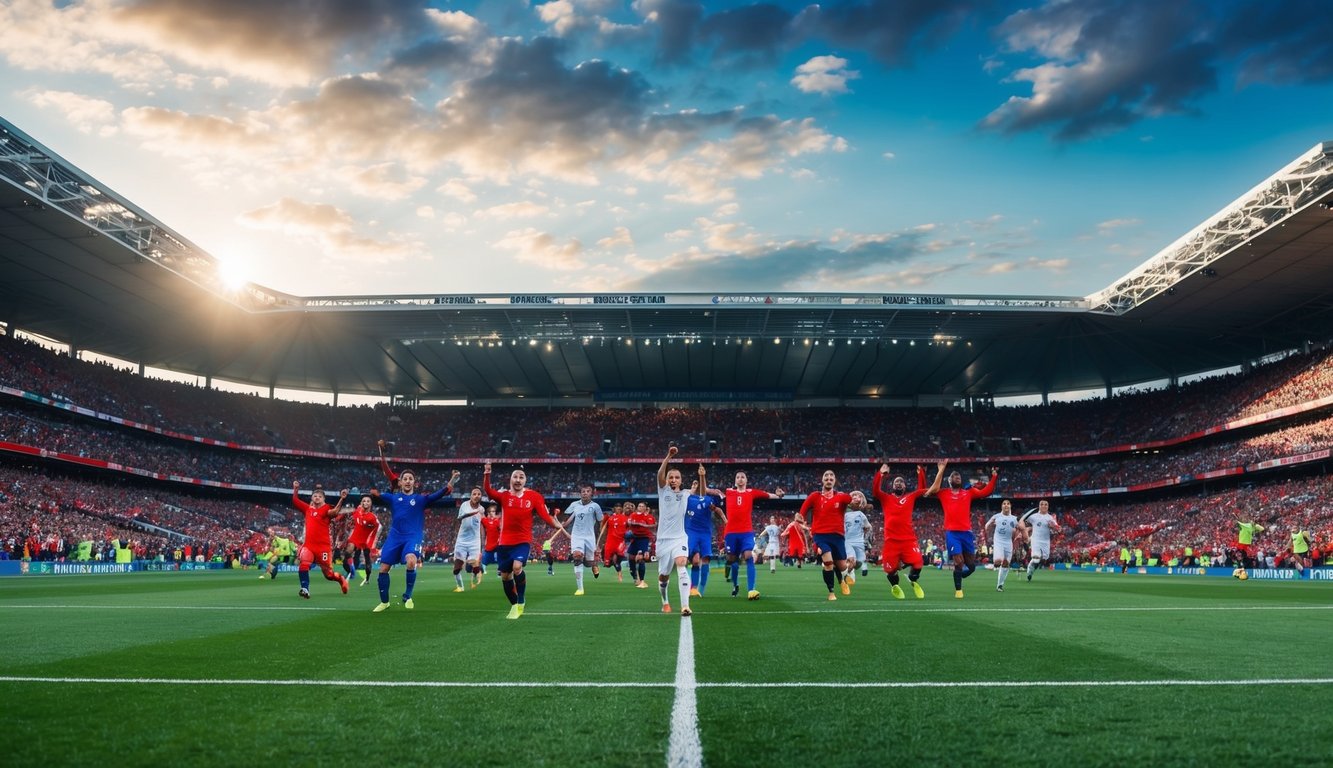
point(1040, 527)
point(1002, 527)
point(585, 514)
point(772, 548)
point(673, 547)
point(467, 545)
point(855, 526)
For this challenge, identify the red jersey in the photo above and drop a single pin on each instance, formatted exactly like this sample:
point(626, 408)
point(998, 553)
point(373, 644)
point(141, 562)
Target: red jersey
point(640, 524)
point(898, 509)
point(740, 507)
point(825, 513)
point(317, 521)
point(958, 505)
point(492, 526)
point(516, 511)
point(365, 528)
point(795, 539)
point(616, 523)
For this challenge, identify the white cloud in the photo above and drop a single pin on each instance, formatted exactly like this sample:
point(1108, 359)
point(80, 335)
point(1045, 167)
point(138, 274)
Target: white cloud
point(458, 190)
point(824, 74)
point(330, 228)
point(541, 249)
point(85, 113)
point(620, 238)
point(522, 209)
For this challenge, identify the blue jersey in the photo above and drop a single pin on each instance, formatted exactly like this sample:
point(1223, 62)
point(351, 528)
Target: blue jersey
point(699, 515)
point(409, 513)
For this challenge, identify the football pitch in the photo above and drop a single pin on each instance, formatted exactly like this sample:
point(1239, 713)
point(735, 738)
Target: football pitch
point(1071, 668)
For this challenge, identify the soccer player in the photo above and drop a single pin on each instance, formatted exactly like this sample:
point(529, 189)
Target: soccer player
point(640, 527)
point(900, 541)
point(407, 527)
point(614, 527)
point(467, 544)
point(738, 536)
point(699, 514)
point(365, 532)
point(1300, 550)
point(772, 543)
point(547, 553)
point(856, 526)
point(794, 533)
point(318, 544)
point(583, 515)
point(673, 545)
point(826, 509)
point(518, 504)
point(959, 540)
point(1002, 527)
point(279, 551)
point(1245, 542)
point(1040, 528)
point(491, 525)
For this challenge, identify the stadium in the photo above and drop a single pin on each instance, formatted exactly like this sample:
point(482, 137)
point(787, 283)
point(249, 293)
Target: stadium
point(137, 512)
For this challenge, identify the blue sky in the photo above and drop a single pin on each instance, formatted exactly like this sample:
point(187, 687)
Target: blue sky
point(951, 146)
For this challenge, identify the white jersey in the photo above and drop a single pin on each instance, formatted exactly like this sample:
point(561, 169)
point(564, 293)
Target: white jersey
point(1004, 528)
point(772, 532)
point(854, 527)
point(585, 517)
point(469, 529)
point(1041, 528)
point(671, 512)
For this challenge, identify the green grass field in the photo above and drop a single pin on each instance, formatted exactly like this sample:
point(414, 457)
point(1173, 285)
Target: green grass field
point(1070, 669)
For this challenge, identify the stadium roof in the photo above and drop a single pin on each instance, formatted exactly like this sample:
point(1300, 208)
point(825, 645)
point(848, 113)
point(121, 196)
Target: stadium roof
point(82, 265)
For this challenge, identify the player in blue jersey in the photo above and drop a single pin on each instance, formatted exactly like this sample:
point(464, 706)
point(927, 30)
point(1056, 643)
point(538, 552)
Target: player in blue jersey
point(406, 530)
point(699, 513)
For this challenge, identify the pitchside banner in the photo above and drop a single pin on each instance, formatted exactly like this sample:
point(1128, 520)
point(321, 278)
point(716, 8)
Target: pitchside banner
point(47, 568)
point(1320, 573)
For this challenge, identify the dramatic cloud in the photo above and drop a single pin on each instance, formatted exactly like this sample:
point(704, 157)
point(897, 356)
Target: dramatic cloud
point(893, 31)
point(178, 133)
point(543, 250)
point(824, 74)
point(331, 229)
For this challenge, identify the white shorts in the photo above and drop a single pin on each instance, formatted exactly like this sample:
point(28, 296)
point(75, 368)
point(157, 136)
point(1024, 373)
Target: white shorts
point(585, 544)
point(1002, 550)
point(857, 552)
point(466, 552)
point(1041, 550)
point(667, 551)
point(771, 550)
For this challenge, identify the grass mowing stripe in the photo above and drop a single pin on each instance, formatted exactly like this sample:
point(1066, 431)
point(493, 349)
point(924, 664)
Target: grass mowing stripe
point(684, 716)
point(836, 611)
point(684, 749)
point(174, 607)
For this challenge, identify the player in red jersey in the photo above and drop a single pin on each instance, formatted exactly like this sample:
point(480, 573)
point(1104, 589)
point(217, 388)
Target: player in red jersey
point(490, 526)
point(900, 542)
point(517, 506)
point(794, 534)
point(613, 546)
point(365, 532)
point(825, 510)
point(959, 541)
point(738, 536)
point(318, 544)
point(641, 524)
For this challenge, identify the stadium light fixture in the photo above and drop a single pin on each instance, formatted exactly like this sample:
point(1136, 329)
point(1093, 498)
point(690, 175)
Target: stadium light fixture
point(777, 341)
point(532, 342)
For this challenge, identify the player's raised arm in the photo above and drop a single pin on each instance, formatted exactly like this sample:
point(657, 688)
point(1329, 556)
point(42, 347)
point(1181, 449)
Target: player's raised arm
point(385, 468)
point(296, 497)
point(545, 515)
point(989, 487)
point(486, 481)
point(939, 478)
point(342, 496)
point(662, 470)
point(446, 490)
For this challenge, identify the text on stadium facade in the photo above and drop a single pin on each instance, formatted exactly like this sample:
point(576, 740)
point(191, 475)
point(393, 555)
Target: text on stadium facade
point(916, 300)
point(523, 299)
point(630, 298)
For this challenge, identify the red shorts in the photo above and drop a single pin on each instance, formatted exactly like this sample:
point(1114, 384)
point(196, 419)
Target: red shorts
point(320, 557)
point(795, 551)
point(898, 553)
point(1246, 549)
point(360, 542)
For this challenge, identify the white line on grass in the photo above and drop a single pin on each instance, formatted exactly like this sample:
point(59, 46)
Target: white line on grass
point(952, 609)
point(684, 750)
point(675, 685)
point(49, 606)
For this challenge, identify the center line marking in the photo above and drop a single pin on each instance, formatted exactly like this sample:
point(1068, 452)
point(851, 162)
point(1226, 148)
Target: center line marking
point(684, 749)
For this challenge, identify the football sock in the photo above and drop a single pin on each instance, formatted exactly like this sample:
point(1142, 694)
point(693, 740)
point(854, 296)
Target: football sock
point(694, 576)
point(970, 569)
point(893, 578)
point(703, 577)
point(643, 570)
point(957, 580)
point(749, 575)
point(383, 582)
point(305, 579)
point(914, 575)
point(411, 582)
point(837, 574)
point(1002, 573)
point(1032, 566)
point(510, 593)
point(578, 575)
point(828, 580)
point(458, 578)
point(521, 584)
point(662, 587)
point(683, 584)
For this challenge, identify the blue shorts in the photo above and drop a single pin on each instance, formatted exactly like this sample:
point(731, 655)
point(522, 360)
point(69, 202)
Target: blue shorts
point(739, 543)
point(397, 548)
point(488, 557)
point(833, 543)
point(960, 543)
point(514, 553)
point(639, 545)
point(700, 544)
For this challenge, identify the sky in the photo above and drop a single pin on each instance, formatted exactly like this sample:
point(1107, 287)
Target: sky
point(938, 146)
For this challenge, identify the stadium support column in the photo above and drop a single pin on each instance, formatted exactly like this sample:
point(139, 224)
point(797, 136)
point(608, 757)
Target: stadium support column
point(271, 392)
point(208, 381)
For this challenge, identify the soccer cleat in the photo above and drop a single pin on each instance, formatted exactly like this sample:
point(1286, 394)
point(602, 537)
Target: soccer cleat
point(685, 612)
point(641, 585)
point(408, 604)
point(694, 592)
point(520, 608)
point(846, 590)
point(735, 589)
point(458, 589)
point(596, 573)
point(1030, 575)
point(365, 582)
point(381, 608)
point(752, 595)
point(342, 582)
point(958, 593)
point(832, 597)
point(999, 587)
point(918, 591)
point(305, 593)
point(263, 576)
point(578, 593)
point(896, 591)
point(666, 607)
point(513, 612)
point(849, 579)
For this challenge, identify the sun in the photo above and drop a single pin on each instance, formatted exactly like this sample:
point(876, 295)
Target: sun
point(231, 272)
